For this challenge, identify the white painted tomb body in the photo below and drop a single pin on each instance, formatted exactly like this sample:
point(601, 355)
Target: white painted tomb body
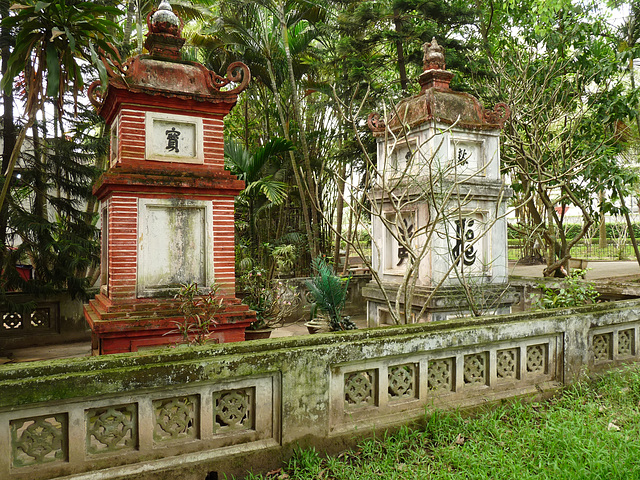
point(439, 232)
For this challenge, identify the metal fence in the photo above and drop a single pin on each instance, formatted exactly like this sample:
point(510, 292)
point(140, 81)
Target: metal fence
point(588, 251)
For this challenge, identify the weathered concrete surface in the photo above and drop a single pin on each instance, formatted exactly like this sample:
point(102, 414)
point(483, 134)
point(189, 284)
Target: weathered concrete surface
point(596, 270)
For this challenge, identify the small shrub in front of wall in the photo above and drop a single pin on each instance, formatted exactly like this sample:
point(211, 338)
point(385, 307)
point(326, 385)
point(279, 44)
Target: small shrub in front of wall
point(574, 291)
point(330, 294)
point(272, 302)
point(199, 308)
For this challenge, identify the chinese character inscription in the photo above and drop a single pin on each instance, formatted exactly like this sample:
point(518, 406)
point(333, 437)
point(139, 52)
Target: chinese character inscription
point(172, 140)
point(463, 156)
point(405, 234)
point(465, 235)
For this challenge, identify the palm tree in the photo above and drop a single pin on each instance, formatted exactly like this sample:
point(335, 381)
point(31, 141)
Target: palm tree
point(276, 36)
point(252, 169)
point(52, 39)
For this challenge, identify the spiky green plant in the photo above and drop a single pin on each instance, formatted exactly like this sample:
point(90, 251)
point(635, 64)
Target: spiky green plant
point(330, 294)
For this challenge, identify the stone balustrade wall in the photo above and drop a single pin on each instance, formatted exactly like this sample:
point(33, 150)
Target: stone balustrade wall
point(57, 319)
point(186, 412)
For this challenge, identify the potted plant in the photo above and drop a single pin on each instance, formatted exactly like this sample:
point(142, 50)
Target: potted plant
point(273, 303)
point(330, 294)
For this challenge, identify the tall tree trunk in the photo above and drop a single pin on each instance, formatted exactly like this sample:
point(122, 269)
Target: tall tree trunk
point(139, 25)
point(128, 25)
point(339, 215)
point(630, 43)
point(340, 207)
point(246, 124)
point(40, 184)
point(292, 157)
point(347, 250)
point(402, 69)
point(9, 128)
point(632, 234)
point(310, 183)
point(602, 229)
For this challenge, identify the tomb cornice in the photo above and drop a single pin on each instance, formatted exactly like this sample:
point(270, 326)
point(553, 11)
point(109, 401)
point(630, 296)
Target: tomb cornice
point(193, 183)
point(444, 106)
point(162, 72)
point(480, 189)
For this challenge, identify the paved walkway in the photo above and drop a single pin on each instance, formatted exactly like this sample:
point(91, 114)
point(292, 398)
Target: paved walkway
point(595, 270)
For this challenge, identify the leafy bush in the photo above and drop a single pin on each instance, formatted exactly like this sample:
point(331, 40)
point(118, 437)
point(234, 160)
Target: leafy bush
point(272, 303)
point(573, 229)
point(199, 308)
point(573, 292)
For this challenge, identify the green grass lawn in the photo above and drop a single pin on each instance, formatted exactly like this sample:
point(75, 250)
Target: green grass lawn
point(589, 431)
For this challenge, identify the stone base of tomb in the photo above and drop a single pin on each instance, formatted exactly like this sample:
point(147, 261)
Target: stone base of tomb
point(445, 303)
point(145, 323)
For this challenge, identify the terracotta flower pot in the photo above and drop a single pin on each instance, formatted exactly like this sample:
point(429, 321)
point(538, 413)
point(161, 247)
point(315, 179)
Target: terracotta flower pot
point(259, 334)
point(320, 325)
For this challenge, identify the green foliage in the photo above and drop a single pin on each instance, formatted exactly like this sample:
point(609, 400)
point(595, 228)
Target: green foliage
point(572, 230)
point(587, 431)
point(254, 286)
point(52, 36)
point(330, 294)
point(613, 229)
point(573, 292)
point(50, 225)
point(199, 308)
point(569, 96)
point(264, 188)
point(252, 168)
point(285, 257)
point(273, 302)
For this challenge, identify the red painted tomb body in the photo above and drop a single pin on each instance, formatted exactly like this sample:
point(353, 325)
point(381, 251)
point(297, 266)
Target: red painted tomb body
point(167, 203)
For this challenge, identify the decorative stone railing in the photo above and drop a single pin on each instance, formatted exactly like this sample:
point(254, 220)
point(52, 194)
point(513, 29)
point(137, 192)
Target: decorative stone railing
point(56, 319)
point(186, 412)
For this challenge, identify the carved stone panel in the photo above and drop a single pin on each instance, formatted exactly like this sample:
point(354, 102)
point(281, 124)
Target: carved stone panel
point(537, 359)
point(234, 410)
point(442, 374)
point(111, 429)
point(399, 240)
point(176, 419)
point(602, 347)
point(39, 440)
point(508, 364)
point(476, 369)
point(402, 382)
point(400, 156)
point(626, 342)
point(468, 159)
point(174, 138)
point(360, 389)
point(469, 243)
point(12, 321)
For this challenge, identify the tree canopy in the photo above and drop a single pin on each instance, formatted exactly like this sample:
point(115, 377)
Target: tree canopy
point(564, 68)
